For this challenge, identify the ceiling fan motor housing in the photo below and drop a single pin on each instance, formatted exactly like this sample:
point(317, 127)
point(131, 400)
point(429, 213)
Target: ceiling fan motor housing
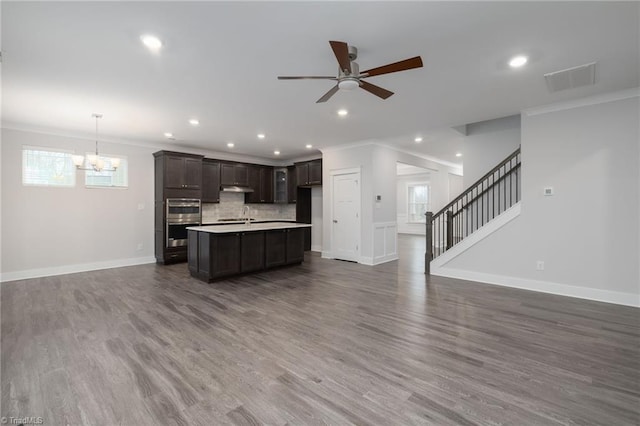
point(353, 53)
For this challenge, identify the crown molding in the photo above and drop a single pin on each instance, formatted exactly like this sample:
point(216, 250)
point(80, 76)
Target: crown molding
point(583, 102)
point(218, 155)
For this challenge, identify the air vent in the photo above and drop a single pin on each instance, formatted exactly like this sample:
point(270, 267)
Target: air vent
point(583, 75)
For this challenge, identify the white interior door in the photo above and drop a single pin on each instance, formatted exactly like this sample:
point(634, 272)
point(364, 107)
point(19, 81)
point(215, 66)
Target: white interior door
point(346, 216)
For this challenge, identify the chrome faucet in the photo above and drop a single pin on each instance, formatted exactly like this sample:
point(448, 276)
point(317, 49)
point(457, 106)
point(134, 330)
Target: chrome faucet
point(246, 212)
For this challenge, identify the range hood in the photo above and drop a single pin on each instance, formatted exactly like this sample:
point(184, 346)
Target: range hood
point(235, 188)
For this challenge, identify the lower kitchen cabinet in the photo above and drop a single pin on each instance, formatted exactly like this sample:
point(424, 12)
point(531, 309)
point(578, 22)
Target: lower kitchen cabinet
point(251, 251)
point(276, 248)
point(295, 245)
point(214, 256)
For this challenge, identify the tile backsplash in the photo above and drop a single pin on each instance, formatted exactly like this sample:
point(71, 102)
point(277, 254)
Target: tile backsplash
point(232, 204)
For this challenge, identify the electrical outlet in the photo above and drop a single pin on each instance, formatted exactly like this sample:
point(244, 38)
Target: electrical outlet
point(540, 265)
point(548, 191)
point(139, 246)
point(140, 206)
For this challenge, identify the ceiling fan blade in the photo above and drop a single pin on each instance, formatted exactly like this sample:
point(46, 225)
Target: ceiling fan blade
point(329, 94)
point(376, 90)
point(341, 50)
point(407, 64)
point(308, 77)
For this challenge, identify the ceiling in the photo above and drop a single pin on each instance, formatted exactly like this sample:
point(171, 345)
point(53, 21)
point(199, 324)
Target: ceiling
point(63, 61)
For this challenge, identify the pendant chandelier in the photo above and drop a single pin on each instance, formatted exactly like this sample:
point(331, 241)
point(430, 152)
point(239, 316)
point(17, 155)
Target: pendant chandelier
point(94, 161)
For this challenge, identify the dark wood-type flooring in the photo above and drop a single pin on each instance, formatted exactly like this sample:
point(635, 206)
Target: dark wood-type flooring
point(327, 342)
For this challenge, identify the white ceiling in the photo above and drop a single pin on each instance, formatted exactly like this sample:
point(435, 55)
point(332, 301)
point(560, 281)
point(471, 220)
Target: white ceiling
point(220, 60)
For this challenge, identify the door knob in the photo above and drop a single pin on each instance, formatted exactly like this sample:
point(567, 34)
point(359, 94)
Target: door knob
point(335, 221)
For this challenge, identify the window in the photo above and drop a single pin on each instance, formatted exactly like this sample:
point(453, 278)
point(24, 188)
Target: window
point(47, 167)
point(117, 179)
point(418, 203)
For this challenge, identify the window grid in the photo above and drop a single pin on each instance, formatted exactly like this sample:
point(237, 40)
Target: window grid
point(108, 179)
point(418, 203)
point(47, 167)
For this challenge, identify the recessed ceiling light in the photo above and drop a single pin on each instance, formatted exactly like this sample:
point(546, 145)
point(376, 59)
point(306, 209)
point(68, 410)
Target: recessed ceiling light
point(418, 139)
point(194, 122)
point(152, 42)
point(517, 61)
point(230, 145)
point(309, 146)
point(342, 112)
point(458, 154)
point(261, 136)
point(168, 135)
point(276, 152)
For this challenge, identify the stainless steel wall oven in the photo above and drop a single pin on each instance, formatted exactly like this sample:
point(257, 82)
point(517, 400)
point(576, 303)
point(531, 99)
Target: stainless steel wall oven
point(180, 214)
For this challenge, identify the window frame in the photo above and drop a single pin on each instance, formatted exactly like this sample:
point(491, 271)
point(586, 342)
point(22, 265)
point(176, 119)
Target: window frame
point(68, 157)
point(411, 185)
point(123, 161)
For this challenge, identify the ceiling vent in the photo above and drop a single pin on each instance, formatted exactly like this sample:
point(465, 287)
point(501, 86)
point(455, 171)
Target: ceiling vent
point(582, 75)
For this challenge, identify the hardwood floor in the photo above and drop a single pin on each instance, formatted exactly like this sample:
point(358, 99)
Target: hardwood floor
point(327, 342)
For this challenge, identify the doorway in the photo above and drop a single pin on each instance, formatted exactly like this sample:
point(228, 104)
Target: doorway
point(345, 214)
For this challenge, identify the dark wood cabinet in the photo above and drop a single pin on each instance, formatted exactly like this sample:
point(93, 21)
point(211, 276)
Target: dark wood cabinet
point(315, 172)
point(295, 245)
point(284, 246)
point(210, 181)
point(261, 181)
point(177, 175)
point(266, 185)
point(276, 248)
point(182, 172)
point(309, 173)
point(234, 174)
point(251, 251)
point(303, 213)
point(214, 256)
point(292, 184)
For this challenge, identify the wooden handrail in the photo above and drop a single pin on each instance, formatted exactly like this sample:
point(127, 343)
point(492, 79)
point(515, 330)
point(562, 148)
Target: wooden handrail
point(487, 189)
point(478, 182)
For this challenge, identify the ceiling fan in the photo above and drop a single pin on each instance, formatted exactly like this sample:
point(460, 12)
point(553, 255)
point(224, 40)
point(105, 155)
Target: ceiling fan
point(349, 75)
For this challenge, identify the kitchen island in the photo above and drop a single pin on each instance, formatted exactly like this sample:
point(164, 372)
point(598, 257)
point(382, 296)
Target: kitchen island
point(220, 251)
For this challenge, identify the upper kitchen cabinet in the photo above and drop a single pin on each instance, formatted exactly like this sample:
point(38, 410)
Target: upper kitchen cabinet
point(178, 175)
point(261, 181)
point(292, 184)
point(309, 173)
point(234, 174)
point(210, 181)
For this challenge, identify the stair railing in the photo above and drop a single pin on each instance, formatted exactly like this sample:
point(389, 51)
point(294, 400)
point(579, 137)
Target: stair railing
point(488, 197)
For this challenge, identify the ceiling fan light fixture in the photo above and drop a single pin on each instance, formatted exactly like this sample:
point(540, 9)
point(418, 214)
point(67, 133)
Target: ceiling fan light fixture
point(349, 83)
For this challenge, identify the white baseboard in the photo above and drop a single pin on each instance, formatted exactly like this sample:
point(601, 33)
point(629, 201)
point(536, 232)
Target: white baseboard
point(383, 259)
point(72, 269)
point(619, 298)
point(316, 248)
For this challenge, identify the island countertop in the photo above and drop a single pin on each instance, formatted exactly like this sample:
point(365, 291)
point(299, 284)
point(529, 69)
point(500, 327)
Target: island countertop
point(242, 227)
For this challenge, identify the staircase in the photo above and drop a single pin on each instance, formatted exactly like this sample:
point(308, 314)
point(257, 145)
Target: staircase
point(487, 198)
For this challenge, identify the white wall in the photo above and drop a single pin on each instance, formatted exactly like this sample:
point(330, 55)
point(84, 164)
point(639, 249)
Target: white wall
point(488, 143)
point(316, 218)
point(377, 164)
point(456, 185)
point(45, 228)
point(587, 233)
